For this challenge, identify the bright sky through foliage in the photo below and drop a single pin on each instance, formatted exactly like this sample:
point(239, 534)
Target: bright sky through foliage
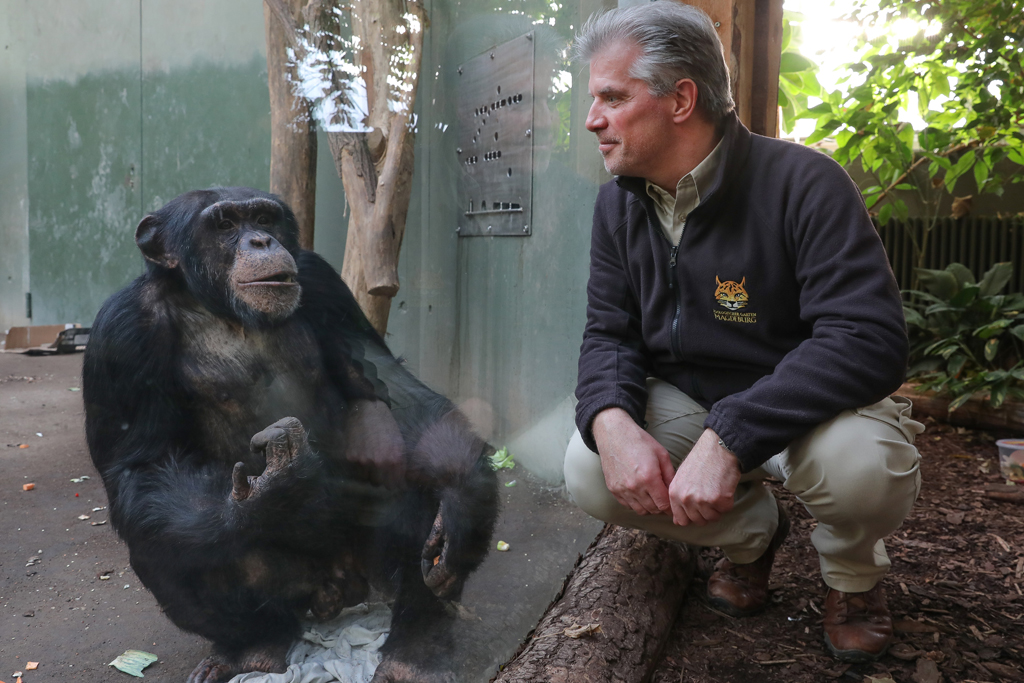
point(829, 41)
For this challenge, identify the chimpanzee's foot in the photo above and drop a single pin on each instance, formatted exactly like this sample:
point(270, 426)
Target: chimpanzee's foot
point(281, 442)
point(435, 565)
point(271, 659)
point(328, 601)
point(393, 671)
point(213, 669)
point(219, 667)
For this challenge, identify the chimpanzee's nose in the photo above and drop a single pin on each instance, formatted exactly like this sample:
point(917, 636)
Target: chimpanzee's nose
point(260, 240)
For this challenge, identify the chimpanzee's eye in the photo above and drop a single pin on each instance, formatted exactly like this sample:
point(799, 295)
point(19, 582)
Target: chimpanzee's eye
point(225, 225)
point(262, 219)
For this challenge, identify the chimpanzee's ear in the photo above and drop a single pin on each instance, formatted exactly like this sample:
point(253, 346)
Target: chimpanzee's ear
point(149, 236)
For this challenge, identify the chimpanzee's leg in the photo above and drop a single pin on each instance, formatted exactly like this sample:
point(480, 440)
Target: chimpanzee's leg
point(419, 647)
point(251, 630)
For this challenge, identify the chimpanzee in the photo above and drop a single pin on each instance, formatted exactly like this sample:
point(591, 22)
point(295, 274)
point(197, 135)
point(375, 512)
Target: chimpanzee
point(363, 477)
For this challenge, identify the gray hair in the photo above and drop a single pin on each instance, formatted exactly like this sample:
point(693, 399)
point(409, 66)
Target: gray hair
point(676, 41)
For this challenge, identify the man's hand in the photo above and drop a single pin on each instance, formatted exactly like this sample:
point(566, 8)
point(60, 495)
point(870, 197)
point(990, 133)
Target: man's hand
point(705, 484)
point(637, 469)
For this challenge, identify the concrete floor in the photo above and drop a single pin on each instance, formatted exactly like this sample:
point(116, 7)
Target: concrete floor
point(55, 610)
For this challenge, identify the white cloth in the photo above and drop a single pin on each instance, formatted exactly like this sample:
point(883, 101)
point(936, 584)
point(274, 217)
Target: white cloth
point(343, 650)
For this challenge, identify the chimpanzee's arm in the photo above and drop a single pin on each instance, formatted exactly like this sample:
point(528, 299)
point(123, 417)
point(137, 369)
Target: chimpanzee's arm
point(444, 455)
point(350, 343)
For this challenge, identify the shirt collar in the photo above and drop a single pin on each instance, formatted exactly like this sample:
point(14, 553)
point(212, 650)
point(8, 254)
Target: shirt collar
point(700, 179)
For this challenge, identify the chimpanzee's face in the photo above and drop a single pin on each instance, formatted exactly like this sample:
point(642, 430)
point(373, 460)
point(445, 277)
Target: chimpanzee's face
point(258, 272)
point(235, 255)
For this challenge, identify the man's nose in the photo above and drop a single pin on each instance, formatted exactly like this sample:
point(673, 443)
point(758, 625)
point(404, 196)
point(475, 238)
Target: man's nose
point(595, 118)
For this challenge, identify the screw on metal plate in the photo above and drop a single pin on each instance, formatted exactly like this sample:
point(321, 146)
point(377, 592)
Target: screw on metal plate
point(489, 227)
point(458, 229)
point(492, 55)
point(529, 132)
point(718, 24)
point(529, 36)
point(526, 228)
point(458, 150)
point(460, 70)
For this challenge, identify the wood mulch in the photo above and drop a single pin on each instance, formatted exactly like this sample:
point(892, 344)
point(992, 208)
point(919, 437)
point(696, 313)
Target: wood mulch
point(956, 590)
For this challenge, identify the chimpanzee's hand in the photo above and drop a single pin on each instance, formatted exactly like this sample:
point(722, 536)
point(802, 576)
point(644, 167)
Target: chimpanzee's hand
point(281, 442)
point(374, 443)
point(436, 563)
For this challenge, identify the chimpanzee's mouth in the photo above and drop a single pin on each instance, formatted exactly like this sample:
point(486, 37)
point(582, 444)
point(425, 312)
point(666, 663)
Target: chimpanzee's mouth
point(279, 279)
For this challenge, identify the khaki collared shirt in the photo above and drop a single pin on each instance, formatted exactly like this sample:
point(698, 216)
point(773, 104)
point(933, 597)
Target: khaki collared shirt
point(672, 211)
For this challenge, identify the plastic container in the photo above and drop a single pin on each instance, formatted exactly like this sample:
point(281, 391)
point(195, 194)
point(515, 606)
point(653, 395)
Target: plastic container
point(1011, 459)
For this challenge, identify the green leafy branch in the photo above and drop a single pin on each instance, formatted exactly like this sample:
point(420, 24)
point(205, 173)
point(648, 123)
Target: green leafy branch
point(972, 47)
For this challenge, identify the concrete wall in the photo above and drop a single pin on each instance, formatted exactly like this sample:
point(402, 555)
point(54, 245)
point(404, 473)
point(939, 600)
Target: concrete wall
point(497, 321)
point(14, 261)
point(122, 104)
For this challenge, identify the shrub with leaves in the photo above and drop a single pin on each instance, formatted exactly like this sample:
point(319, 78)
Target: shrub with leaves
point(798, 78)
point(962, 71)
point(966, 336)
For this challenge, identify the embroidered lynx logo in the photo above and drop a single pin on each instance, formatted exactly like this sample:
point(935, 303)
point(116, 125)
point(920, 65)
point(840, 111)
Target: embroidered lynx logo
point(731, 295)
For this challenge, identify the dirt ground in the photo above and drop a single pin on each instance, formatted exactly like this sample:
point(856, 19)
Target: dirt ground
point(955, 590)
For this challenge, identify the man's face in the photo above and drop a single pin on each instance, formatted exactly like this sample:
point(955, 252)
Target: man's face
point(633, 127)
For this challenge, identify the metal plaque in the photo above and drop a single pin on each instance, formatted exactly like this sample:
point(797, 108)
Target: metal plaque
point(495, 148)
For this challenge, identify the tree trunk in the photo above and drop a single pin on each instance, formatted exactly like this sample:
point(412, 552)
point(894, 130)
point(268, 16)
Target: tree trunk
point(376, 167)
point(360, 178)
point(620, 603)
point(292, 128)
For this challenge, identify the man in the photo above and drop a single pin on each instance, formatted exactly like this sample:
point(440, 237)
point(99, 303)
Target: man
point(742, 321)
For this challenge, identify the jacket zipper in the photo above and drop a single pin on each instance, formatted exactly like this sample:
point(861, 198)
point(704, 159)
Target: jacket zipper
point(677, 349)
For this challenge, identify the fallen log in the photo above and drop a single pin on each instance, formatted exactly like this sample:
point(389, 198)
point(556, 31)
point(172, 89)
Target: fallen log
point(975, 414)
point(613, 616)
point(1007, 493)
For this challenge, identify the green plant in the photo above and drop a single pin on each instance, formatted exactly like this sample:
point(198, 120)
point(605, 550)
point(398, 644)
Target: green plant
point(797, 74)
point(966, 336)
point(962, 71)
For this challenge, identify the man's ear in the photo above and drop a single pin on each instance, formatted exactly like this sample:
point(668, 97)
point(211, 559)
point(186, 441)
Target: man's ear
point(685, 100)
point(149, 236)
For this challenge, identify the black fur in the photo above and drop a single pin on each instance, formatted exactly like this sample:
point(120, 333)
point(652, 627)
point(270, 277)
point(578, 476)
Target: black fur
point(178, 376)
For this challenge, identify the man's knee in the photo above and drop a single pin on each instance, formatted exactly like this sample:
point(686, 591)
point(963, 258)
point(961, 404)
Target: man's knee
point(584, 480)
point(862, 461)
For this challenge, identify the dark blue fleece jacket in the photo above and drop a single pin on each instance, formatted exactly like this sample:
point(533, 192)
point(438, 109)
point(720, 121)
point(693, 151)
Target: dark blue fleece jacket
point(777, 310)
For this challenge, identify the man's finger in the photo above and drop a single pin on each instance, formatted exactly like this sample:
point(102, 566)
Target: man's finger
point(668, 473)
point(661, 501)
point(696, 516)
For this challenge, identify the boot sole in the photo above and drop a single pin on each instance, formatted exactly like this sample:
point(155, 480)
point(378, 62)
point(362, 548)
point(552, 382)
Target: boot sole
point(854, 656)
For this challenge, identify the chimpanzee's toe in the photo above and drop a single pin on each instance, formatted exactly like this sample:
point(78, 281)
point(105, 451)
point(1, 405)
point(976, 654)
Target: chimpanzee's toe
point(213, 669)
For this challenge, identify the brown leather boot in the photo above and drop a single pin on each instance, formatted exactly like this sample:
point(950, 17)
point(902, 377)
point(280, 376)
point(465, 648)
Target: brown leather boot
point(858, 626)
point(742, 589)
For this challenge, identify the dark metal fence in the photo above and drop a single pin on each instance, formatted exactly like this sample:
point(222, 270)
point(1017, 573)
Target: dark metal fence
point(975, 242)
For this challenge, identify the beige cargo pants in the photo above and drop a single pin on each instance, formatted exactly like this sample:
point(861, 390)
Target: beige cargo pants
point(857, 475)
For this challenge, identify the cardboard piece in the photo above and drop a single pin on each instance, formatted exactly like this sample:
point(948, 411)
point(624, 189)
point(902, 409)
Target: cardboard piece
point(46, 339)
point(33, 335)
